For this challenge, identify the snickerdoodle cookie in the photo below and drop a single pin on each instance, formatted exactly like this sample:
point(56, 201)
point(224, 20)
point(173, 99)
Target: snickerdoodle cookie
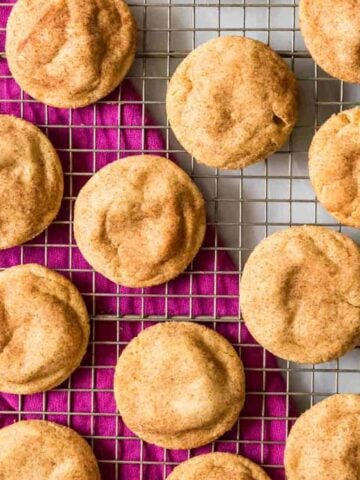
point(44, 329)
point(179, 385)
point(31, 181)
point(41, 450)
point(140, 221)
point(324, 443)
point(232, 102)
point(331, 30)
point(300, 294)
point(335, 166)
point(218, 466)
point(70, 53)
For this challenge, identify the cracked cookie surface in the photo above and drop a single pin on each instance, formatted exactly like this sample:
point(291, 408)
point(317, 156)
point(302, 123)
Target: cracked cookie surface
point(70, 53)
point(140, 221)
point(31, 181)
point(41, 450)
point(218, 466)
point(324, 443)
point(331, 30)
point(300, 294)
point(232, 102)
point(334, 166)
point(179, 385)
point(44, 329)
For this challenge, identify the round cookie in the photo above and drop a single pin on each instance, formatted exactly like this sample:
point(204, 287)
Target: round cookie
point(31, 182)
point(334, 166)
point(44, 329)
point(70, 53)
point(331, 32)
point(179, 385)
point(140, 221)
point(232, 102)
point(218, 466)
point(44, 450)
point(324, 443)
point(300, 294)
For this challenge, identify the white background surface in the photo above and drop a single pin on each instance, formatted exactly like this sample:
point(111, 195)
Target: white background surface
point(251, 204)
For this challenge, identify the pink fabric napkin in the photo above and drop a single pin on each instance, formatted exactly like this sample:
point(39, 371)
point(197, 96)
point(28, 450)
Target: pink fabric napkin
point(86, 402)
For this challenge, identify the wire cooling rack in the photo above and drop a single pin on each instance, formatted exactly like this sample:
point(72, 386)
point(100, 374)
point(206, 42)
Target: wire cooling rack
point(243, 206)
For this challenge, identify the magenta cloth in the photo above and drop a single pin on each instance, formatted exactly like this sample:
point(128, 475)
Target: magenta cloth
point(262, 425)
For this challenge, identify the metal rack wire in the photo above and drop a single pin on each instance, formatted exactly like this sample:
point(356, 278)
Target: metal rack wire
point(244, 206)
